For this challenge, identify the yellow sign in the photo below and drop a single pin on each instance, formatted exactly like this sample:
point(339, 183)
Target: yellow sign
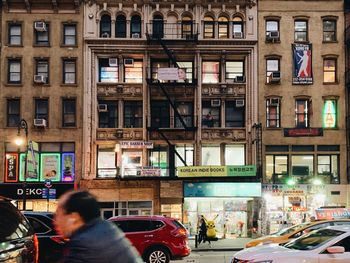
point(197, 171)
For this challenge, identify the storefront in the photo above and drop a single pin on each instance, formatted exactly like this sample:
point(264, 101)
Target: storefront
point(234, 207)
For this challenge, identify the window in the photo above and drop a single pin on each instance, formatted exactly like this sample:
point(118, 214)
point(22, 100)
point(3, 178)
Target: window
point(133, 114)
point(273, 113)
point(108, 118)
point(42, 69)
point(69, 71)
point(14, 34)
point(105, 26)
point(272, 70)
point(155, 66)
point(328, 168)
point(209, 27)
point(160, 114)
point(302, 113)
point(237, 24)
point(120, 26)
point(302, 168)
point(234, 69)
point(234, 113)
point(185, 109)
point(42, 34)
point(234, 154)
point(223, 27)
point(69, 112)
point(345, 242)
point(108, 70)
point(276, 168)
point(187, 27)
point(329, 70)
point(211, 155)
point(300, 31)
point(135, 27)
point(329, 114)
point(157, 27)
point(106, 161)
point(69, 35)
point(187, 153)
point(133, 73)
point(210, 71)
point(329, 30)
point(272, 30)
point(14, 71)
point(188, 67)
point(159, 158)
point(13, 112)
point(211, 113)
point(42, 110)
point(38, 226)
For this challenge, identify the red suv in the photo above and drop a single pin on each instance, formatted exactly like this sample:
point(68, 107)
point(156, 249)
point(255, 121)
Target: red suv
point(157, 238)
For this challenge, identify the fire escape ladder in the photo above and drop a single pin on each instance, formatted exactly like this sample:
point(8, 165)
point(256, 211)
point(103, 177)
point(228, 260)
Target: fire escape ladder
point(168, 52)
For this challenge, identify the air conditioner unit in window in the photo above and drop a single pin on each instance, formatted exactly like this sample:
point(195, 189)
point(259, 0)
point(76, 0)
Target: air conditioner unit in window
point(128, 62)
point(275, 77)
point(105, 35)
point(272, 35)
point(239, 79)
point(40, 26)
point(102, 108)
point(215, 103)
point(237, 34)
point(39, 79)
point(240, 103)
point(274, 101)
point(39, 122)
point(113, 62)
point(135, 35)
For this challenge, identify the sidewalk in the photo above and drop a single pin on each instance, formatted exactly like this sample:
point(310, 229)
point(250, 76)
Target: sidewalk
point(234, 244)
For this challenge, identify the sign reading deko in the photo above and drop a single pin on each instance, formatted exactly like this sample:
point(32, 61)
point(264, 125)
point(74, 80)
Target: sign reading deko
point(216, 171)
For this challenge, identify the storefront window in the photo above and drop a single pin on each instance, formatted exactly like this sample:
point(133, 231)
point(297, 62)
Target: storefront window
point(302, 168)
point(186, 152)
point(159, 158)
point(107, 161)
point(211, 155)
point(276, 168)
point(234, 155)
point(131, 163)
point(328, 168)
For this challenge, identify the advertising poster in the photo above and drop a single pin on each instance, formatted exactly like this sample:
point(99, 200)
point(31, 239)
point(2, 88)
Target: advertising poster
point(68, 167)
point(33, 160)
point(11, 167)
point(50, 167)
point(302, 64)
point(23, 167)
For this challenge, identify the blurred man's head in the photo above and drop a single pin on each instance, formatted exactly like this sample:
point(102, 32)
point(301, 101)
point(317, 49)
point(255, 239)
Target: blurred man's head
point(75, 209)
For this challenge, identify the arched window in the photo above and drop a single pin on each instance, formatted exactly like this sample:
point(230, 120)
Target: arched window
point(158, 27)
point(209, 27)
point(135, 29)
point(187, 27)
point(105, 26)
point(120, 26)
point(237, 29)
point(223, 27)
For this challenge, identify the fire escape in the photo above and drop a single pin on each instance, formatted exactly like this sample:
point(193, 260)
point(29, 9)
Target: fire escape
point(164, 35)
point(347, 79)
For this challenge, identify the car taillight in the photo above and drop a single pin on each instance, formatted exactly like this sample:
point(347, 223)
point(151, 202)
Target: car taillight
point(36, 244)
point(59, 240)
point(180, 232)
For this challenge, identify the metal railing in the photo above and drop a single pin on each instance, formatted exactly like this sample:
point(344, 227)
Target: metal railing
point(186, 30)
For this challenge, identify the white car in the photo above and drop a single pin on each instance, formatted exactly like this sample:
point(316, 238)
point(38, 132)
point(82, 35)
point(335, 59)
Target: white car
point(326, 245)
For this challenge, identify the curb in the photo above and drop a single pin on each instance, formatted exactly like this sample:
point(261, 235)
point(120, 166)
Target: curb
point(216, 249)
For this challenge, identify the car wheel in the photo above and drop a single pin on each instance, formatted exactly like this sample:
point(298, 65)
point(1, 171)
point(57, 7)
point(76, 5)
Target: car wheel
point(158, 255)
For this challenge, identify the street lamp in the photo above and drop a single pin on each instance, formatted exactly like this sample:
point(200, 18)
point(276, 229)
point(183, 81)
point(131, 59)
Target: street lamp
point(19, 141)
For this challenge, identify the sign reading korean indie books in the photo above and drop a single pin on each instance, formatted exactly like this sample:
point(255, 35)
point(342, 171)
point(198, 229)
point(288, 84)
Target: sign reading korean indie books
point(216, 171)
point(302, 64)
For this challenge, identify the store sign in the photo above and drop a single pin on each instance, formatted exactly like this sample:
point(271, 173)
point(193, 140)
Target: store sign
point(241, 170)
point(302, 132)
point(217, 171)
point(33, 190)
point(50, 166)
point(33, 160)
point(11, 166)
point(227, 189)
point(332, 213)
point(135, 144)
point(150, 171)
point(281, 189)
point(302, 64)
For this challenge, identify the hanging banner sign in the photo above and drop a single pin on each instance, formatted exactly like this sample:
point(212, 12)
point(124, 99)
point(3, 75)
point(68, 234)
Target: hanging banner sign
point(150, 171)
point(135, 144)
point(23, 174)
point(11, 166)
point(332, 213)
point(171, 73)
point(50, 167)
point(33, 160)
point(302, 64)
point(302, 132)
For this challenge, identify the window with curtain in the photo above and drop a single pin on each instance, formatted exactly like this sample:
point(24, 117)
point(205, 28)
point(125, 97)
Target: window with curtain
point(210, 72)
point(237, 25)
point(273, 113)
point(223, 27)
point(209, 25)
point(329, 30)
point(211, 155)
point(329, 70)
point(185, 109)
point(14, 71)
point(302, 113)
point(187, 27)
point(234, 69)
point(133, 73)
point(234, 154)
point(300, 31)
point(108, 72)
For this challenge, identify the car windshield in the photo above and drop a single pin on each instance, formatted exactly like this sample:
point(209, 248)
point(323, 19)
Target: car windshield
point(314, 239)
point(290, 229)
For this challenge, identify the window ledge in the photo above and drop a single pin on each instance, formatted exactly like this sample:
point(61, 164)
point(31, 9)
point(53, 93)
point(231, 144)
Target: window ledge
point(331, 129)
point(41, 84)
point(13, 84)
point(274, 128)
point(68, 85)
point(272, 84)
point(69, 127)
point(302, 42)
point(330, 42)
point(41, 45)
point(272, 42)
point(11, 45)
point(331, 83)
point(68, 46)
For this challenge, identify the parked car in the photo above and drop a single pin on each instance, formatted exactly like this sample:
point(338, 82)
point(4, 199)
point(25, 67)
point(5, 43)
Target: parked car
point(287, 234)
point(325, 245)
point(18, 242)
point(156, 238)
point(51, 244)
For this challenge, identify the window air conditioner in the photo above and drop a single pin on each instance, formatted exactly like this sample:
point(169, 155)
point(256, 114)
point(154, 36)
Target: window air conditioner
point(237, 34)
point(240, 103)
point(272, 35)
point(274, 101)
point(105, 35)
point(239, 79)
point(215, 103)
point(39, 122)
point(39, 79)
point(135, 35)
point(275, 77)
point(128, 62)
point(113, 62)
point(40, 26)
point(102, 107)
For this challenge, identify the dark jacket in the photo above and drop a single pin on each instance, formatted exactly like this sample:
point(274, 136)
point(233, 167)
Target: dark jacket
point(100, 241)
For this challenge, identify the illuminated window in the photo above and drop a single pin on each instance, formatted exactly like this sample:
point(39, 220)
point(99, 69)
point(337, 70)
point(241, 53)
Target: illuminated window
point(329, 30)
point(211, 72)
point(329, 70)
point(237, 25)
point(187, 153)
point(273, 113)
point(133, 73)
point(302, 108)
point(302, 168)
point(107, 161)
point(328, 168)
point(108, 70)
point(276, 168)
point(329, 117)
point(187, 27)
point(209, 27)
point(223, 27)
point(159, 158)
point(273, 70)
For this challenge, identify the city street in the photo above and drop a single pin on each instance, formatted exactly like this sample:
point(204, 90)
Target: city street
point(208, 257)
